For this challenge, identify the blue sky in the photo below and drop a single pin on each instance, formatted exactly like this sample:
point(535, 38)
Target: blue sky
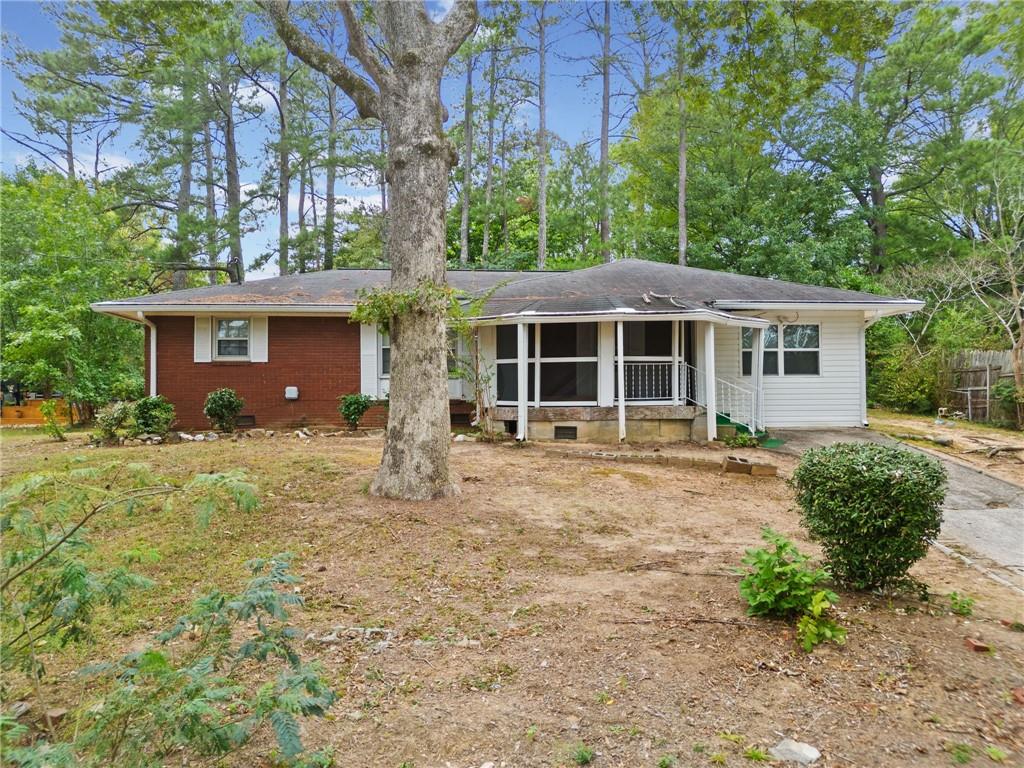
point(573, 112)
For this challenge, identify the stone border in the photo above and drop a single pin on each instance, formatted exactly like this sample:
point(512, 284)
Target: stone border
point(729, 465)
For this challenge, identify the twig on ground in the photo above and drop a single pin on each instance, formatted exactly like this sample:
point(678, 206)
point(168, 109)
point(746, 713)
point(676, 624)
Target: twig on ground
point(688, 620)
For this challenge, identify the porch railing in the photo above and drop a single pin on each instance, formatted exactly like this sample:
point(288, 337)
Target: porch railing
point(651, 381)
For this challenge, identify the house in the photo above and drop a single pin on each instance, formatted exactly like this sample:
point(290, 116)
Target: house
point(633, 349)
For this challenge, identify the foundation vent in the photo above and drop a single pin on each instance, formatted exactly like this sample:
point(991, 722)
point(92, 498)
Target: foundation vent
point(565, 433)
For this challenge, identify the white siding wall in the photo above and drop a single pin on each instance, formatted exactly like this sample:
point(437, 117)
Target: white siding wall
point(835, 398)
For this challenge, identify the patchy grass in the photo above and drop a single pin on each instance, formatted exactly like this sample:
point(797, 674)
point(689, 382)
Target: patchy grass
point(548, 609)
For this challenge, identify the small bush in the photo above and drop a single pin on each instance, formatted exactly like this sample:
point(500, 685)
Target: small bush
point(782, 583)
point(874, 509)
point(961, 605)
point(815, 627)
point(51, 420)
point(111, 418)
point(741, 440)
point(153, 416)
point(353, 407)
point(222, 408)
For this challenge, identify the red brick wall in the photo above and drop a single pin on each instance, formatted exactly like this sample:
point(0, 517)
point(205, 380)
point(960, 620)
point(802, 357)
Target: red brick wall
point(319, 355)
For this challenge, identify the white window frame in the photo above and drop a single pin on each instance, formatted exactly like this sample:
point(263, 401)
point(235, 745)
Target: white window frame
point(781, 350)
point(381, 346)
point(537, 361)
point(214, 330)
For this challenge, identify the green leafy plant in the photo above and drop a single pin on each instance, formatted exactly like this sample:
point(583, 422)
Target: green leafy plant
point(667, 761)
point(815, 626)
point(353, 407)
point(961, 605)
point(582, 755)
point(741, 440)
point(199, 695)
point(782, 582)
point(756, 755)
point(51, 420)
point(960, 753)
point(873, 508)
point(222, 408)
point(112, 418)
point(995, 754)
point(152, 416)
point(49, 593)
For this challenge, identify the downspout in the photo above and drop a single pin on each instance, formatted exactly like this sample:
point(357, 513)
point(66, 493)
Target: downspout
point(152, 351)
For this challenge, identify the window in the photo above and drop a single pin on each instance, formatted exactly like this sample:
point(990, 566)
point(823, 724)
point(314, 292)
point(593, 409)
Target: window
point(567, 360)
point(232, 340)
point(453, 354)
point(385, 354)
point(800, 350)
point(770, 366)
point(648, 339)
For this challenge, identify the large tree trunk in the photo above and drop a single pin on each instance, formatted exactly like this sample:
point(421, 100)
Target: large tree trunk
point(384, 228)
point(283, 171)
point(332, 171)
point(492, 87)
point(415, 460)
point(877, 220)
point(542, 141)
point(182, 251)
point(504, 188)
point(233, 192)
point(606, 104)
point(467, 164)
point(407, 100)
point(681, 202)
point(212, 251)
point(69, 149)
point(301, 251)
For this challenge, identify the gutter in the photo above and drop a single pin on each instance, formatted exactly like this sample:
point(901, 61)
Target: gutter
point(723, 318)
point(152, 351)
point(130, 311)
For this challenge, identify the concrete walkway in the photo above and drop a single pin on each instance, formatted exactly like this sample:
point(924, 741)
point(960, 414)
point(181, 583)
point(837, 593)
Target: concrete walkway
point(981, 512)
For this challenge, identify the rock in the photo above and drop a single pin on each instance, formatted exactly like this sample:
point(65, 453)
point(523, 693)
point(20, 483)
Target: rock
point(460, 438)
point(199, 438)
point(19, 708)
point(270, 433)
point(299, 433)
point(1018, 695)
point(976, 645)
point(54, 716)
point(488, 764)
point(466, 643)
point(794, 752)
point(763, 470)
point(256, 433)
point(212, 436)
point(156, 440)
point(355, 715)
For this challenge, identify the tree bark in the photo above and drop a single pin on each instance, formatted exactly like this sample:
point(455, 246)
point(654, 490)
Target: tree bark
point(606, 103)
point(877, 220)
point(681, 202)
point(69, 149)
point(492, 88)
point(302, 250)
point(407, 100)
point(283, 170)
point(542, 140)
point(467, 164)
point(212, 251)
point(233, 190)
point(182, 252)
point(332, 172)
point(382, 145)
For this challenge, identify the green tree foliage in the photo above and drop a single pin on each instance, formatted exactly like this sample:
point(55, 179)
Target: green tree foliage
point(64, 248)
point(222, 408)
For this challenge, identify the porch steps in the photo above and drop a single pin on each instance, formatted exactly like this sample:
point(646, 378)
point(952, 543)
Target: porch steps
point(723, 420)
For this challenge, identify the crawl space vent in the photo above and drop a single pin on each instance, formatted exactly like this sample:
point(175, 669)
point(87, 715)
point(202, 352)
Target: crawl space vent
point(565, 433)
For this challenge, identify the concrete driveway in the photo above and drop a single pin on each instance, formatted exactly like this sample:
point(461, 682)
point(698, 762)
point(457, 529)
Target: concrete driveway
point(981, 512)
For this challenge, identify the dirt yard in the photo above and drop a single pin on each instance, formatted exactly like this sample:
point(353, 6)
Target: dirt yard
point(999, 452)
point(560, 603)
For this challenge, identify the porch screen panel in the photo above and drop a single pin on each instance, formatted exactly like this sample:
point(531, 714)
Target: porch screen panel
point(568, 357)
point(507, 361)
point(648, 339)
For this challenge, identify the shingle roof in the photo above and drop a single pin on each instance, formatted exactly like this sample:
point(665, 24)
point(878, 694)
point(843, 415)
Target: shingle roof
point(630, 285)
point(648, 286)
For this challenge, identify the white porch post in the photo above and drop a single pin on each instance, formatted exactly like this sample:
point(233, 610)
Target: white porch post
point(620, 372)
point(675, 362)
point(536, 365)
point(522, 379)
point(757, 374)
point(709, 380)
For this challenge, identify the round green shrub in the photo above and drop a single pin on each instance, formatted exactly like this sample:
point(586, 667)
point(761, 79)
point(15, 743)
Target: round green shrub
point(222, 408)
point(153, 416)
point(112, 417)
point(874, 509)
point(353, 407)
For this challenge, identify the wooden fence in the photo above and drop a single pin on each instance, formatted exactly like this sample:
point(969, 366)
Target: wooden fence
point(966, 381)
